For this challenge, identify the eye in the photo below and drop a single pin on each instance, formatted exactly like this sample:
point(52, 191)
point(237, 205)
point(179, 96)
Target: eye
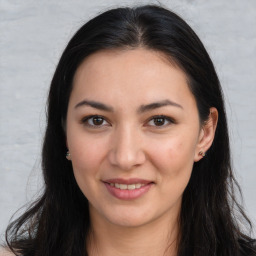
point(160, 121)
point(94, 121)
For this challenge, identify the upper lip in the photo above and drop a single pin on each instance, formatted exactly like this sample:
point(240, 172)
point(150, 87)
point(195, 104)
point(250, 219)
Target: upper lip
point(128, 181)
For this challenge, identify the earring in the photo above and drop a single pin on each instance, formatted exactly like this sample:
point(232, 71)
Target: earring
point(68, 156)
point(201, 153)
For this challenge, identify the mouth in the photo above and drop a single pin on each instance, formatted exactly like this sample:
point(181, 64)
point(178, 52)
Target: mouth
point(128, 189)
point(125, 186)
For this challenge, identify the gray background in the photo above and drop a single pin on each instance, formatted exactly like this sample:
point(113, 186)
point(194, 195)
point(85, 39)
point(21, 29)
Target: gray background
point(34, 33)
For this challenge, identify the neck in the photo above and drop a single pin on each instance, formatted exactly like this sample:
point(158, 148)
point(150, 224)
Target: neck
point(154, 238)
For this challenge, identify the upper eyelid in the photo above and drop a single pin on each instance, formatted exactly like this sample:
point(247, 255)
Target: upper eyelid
point(171, 120)
point(91, 116)
point(161, 116)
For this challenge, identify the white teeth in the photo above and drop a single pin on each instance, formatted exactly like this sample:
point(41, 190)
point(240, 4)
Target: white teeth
point(132, 186)
point(125, 186)
point(138, 185)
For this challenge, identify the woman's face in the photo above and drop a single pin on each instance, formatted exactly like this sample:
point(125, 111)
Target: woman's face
point(133, 133)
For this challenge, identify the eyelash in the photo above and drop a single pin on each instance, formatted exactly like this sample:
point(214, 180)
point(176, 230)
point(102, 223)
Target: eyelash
point(86, 119)
point(166, 118)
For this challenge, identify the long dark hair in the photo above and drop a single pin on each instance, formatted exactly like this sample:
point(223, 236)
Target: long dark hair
point(58, 222)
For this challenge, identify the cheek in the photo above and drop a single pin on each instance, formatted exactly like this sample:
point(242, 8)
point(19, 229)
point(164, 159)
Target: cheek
point(87, 156)
point(173, 152)
point(174, 161)
point(86, 165)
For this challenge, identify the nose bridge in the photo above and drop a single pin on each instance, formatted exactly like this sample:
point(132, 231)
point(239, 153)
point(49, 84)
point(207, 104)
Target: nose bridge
point(126, 151)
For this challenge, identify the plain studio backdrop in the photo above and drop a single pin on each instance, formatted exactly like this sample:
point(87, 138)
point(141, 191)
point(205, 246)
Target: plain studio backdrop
point(33, 35)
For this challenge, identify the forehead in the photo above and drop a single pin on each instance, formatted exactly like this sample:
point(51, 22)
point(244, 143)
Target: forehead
point(105, 60)
point(135, 75)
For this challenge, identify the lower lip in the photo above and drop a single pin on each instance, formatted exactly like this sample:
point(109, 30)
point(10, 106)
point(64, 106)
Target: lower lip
point(127, 194)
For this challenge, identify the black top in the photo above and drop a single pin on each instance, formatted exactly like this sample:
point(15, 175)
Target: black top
point(248, 248)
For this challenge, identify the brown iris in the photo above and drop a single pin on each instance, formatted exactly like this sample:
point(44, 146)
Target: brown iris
point(159, 121)
point(97, 120)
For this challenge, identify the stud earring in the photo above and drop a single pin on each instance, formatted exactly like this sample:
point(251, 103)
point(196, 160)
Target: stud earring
point(68, 156)
point(201, 153)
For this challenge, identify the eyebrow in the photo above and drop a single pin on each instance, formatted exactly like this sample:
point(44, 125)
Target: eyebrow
point(141, 109)
point(158, 104)
point(95, 104)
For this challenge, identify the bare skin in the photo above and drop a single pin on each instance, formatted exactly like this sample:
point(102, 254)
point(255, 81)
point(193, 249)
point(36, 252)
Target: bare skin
point(132, 121)
point(109, 239)
point(5, 252)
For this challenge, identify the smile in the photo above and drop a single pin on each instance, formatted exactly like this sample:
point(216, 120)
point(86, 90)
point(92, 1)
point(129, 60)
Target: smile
point(128, 189)
point(125, 186)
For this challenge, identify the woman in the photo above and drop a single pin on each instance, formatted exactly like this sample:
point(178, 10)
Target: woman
point(136, 156)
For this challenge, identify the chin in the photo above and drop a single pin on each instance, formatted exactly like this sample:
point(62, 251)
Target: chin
point(129, 218)
point(129, 222)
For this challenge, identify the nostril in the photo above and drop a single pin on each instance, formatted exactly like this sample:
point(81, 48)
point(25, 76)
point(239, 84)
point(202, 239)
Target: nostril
point(126, 159)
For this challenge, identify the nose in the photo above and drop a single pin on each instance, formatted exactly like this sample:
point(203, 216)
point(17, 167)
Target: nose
point(126, 149)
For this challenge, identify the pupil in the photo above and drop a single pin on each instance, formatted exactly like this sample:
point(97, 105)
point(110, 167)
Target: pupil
point(159, 121)
point(97, 120)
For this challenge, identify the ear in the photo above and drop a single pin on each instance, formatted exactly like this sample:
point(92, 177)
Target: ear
point(206, 135)
point(68, 155)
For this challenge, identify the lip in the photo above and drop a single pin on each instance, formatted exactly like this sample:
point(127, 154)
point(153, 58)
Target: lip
point(128, 194)
point(128, 181)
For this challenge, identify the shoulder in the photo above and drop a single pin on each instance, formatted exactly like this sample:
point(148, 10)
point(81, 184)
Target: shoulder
point(5, 252)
